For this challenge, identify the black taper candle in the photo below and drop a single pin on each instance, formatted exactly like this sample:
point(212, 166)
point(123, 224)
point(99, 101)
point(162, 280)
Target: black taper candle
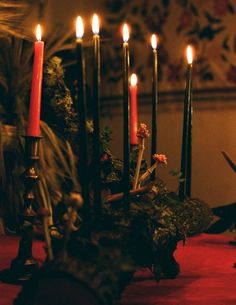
point(189, 150)
point(126, 114)
point(154, 102)
point(96, 114)
point(82, 113)
point(186, 138)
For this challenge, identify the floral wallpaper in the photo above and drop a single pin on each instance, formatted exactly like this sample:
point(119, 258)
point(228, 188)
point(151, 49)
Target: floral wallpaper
point(209, 25)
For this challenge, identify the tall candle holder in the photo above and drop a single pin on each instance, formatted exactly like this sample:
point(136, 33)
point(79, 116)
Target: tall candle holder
point(25, 264)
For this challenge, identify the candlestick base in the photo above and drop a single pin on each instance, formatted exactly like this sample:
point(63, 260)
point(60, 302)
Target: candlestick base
point(24, 265)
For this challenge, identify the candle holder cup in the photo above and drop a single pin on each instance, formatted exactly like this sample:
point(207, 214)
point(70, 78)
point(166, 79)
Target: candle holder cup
point(23, 266)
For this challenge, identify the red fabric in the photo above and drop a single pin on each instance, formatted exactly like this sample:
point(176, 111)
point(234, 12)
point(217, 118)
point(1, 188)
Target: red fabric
point(207, 275)
point(8, 251)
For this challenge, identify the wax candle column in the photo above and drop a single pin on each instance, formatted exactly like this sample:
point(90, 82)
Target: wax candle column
point(83, 151)
point(154, 100)
point(185, 185)
point(189, 147)
point(36, 87)
point(96, 112)
point(126, 113)
point(133, 110)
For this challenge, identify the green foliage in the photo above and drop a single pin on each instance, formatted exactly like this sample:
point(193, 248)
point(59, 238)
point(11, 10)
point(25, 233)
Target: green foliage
point(57, 108)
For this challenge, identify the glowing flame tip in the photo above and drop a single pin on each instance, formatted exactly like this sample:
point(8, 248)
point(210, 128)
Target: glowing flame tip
point(154, 41)
point(133, 80)
point(189, 53)
point(38, 32)
point(79, 27)
point(95, 24)
point(125, 32)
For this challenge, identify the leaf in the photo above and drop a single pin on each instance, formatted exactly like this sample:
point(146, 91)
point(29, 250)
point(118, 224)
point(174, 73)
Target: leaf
point(231, 8)
point(224, 58)
point(176, 172)
point(208, 76)
point(211, 19)
point(225, 43)
point(195, 30)
point(209, 33)
point(165, 3)
point(112, 20)
point(134, 10)
point(178, 29)
point(194, 9)
point(234, 44)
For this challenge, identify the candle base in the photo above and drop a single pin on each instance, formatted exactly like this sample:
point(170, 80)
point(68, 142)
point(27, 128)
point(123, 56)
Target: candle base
point(24, 265)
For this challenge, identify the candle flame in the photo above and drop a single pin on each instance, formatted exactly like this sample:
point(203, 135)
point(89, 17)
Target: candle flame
point(79, 27)
point(95, 24)
point(133, 80)
point(38, 32)
point(189, 53)
point(154, 41)
point(125, 32)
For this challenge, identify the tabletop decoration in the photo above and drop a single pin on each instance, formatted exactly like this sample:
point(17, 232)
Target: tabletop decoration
point(159, 159)
point(94, 250)
point(142, 134)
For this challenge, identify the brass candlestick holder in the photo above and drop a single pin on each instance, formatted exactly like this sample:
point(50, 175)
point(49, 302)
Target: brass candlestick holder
point(24, 264)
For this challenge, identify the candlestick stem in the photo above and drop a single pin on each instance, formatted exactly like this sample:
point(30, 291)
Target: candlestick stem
point(24, 264)
point(154, 109)
point(96, 123)
point(126, 111)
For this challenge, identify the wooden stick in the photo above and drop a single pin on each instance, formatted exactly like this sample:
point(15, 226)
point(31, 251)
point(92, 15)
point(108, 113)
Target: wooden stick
point(119, 196)
point(147, 173)
point(139, 161)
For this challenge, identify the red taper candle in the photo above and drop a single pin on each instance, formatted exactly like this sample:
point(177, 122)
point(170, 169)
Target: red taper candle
point(36, 87)
point(133, 110)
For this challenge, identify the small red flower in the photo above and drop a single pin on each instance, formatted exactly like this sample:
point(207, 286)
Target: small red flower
point(160, 158)
point(231, 74)
point(43, 212)
point(221, 7)
point(174, 73)
point(143, 131)
point(185, 19)
point(105, 157)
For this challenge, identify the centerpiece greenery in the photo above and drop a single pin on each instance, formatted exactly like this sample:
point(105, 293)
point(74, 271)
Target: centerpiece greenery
point(121, 240)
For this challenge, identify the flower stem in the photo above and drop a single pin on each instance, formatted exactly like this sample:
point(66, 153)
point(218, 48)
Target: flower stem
point(147, 173)
point(139, 161)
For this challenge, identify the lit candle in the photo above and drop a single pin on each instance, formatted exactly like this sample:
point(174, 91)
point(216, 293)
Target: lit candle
point(154, 100)
point(83, 151)
point(96, 112)
point(133, 110)
point(126, 113)
point(186, 155)
point(33, 129)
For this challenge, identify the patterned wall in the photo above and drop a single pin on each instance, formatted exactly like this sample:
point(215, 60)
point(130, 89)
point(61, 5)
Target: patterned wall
point(209, 25)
